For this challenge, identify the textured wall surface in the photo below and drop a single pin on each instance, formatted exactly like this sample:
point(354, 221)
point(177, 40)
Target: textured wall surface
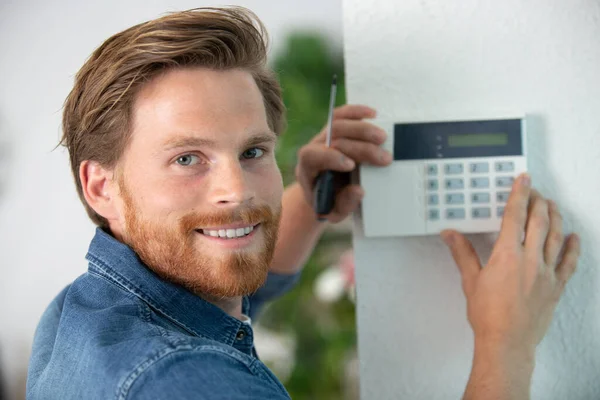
point(449, 59)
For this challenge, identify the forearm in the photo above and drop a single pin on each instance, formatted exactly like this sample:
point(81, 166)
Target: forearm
point(299, 232)
point(499, 374)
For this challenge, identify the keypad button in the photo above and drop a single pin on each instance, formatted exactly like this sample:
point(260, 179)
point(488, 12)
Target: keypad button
point(433, 214)
point(505, 166)
point(432, 169)
point(504, 181)
point(479, 167)
point(433, 199)
point(481, 212)
point(502, 197)
point(432, 184)
point(455, 213)
point(451, 169)
point(456, 183)
point(480, 198)
point(500, 212)
point(480, 183)
point(455, 198)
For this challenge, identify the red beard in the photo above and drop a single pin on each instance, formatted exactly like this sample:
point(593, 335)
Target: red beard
point(173, 254)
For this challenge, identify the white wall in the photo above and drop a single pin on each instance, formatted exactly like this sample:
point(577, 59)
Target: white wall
point(438, 59)
point(44, 232)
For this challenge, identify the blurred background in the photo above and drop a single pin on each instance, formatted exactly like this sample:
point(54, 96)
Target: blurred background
point(307, 337)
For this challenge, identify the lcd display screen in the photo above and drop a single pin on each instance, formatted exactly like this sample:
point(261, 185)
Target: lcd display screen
point(478, 139)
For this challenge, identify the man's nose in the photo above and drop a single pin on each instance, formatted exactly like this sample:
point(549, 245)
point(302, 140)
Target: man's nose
point(230, 185)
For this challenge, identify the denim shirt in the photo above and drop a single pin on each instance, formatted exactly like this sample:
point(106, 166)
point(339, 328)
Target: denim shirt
point(121, 332)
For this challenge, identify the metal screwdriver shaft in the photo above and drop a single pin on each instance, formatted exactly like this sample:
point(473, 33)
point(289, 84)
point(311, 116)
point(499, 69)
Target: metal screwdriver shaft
point(331, 105)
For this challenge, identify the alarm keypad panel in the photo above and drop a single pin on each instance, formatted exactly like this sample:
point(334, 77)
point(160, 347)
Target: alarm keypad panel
point(474, 192)
point(452, 175)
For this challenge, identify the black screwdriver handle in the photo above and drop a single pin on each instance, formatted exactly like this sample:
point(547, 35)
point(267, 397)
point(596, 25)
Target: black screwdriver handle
point(324, 193)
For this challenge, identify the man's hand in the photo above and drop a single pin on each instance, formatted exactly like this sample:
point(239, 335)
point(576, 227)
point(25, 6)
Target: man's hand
point(511, 301)
point(353, 141)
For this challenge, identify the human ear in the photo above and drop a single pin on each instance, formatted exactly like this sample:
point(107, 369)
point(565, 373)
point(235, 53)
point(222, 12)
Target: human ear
point(99, 189)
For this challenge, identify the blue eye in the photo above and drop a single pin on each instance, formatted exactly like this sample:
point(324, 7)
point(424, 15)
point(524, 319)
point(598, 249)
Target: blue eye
point(254, 152)
point(188, 159)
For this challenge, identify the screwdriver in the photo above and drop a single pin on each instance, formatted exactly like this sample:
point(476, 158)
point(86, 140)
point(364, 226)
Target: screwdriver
point(324, 184)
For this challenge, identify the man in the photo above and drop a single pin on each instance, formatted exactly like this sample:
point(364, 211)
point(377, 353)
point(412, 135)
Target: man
point(171, 129)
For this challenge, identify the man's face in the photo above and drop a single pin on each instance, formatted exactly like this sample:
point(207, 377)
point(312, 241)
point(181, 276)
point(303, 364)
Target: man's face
point(200, 188)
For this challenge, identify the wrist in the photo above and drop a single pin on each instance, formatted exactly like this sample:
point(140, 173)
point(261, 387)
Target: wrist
point(504, 353)
point(500, 371)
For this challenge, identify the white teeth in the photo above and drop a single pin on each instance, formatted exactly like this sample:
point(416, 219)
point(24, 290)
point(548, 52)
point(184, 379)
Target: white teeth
point(229, 233)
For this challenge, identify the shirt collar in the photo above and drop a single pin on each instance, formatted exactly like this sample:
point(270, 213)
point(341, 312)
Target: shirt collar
point(120, 264)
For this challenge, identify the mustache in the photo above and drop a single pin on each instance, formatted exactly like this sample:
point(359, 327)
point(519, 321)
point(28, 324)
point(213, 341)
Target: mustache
point(247, 215)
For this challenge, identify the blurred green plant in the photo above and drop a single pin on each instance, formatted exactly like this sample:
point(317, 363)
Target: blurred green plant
point(305, 68)
point(325, 333)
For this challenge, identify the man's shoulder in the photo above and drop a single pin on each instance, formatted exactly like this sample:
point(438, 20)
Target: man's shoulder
point(96, 340)
point(98, 316)
point(93, 337)
point(99, 312)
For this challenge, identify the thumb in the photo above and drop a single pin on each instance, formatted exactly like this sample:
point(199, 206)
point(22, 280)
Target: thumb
point(465, 257)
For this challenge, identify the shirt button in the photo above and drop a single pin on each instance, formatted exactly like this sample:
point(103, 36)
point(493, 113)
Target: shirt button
point(240, 335)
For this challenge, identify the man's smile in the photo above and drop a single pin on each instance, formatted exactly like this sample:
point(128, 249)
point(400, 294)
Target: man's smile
point(229, 232)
